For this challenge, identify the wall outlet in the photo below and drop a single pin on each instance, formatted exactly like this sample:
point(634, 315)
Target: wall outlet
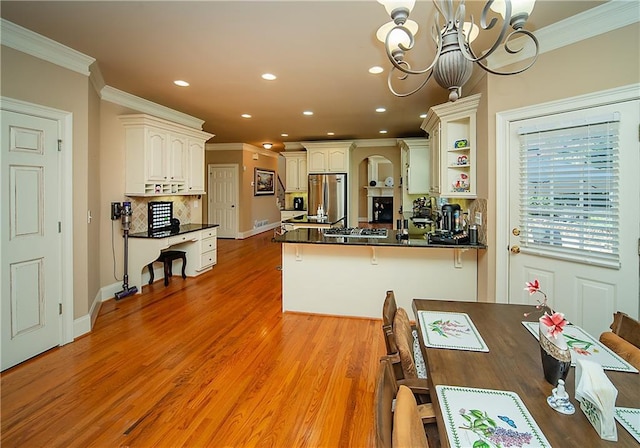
point(478, 218)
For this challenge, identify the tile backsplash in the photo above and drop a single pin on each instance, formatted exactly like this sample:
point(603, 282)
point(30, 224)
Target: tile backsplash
point(139, 207)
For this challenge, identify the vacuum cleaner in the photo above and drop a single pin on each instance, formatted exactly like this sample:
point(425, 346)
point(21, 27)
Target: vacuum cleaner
point(124, 213)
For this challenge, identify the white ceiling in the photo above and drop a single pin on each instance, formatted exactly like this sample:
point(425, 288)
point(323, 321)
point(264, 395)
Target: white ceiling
point(320, 50)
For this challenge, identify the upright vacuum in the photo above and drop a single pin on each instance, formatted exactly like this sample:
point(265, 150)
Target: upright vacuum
point(124, 213)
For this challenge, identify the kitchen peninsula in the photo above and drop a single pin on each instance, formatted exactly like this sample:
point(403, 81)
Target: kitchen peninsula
point(348, 275)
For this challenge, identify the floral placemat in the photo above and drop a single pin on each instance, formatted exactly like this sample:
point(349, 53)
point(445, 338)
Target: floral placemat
point(583, 346)
point(487, 418)
point(442, 329)
point(629, 418)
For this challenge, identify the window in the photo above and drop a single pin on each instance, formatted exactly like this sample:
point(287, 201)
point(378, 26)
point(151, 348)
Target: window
point(569, 191)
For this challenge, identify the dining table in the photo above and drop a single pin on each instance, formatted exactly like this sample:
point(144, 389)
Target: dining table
point(512, 362)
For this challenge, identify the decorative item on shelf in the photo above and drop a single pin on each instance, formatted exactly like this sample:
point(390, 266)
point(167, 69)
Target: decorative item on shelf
point(461, 144)
point(388, 182)
point(373, 183)
point(556, 357)
point(463, 160)
point(461, 185)
point(454, 57)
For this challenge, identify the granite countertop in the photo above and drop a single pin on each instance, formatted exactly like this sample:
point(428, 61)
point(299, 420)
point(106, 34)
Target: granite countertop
point(184, 228)
point(311, 219)
point(316, 236)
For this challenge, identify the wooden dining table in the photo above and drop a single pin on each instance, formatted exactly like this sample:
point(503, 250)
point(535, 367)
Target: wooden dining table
point(513, 363)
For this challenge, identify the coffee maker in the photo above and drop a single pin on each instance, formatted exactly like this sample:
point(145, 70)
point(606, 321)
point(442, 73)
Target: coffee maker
point(298, 203)
point(451, 218)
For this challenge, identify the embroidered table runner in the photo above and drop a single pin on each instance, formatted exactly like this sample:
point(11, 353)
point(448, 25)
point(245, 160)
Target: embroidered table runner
point(442, 329)
point(583, 346)
point(488, 418)
point(629, 418)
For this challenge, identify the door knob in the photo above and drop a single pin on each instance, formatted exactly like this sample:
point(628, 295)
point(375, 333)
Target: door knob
point(515, 249)
point(515, 231)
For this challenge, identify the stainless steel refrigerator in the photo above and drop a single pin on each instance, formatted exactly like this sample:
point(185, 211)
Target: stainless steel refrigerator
point(330, 192)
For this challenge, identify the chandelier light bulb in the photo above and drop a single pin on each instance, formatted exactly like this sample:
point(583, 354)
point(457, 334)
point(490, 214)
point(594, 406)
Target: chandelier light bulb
point(470, 30)
point(394, 8)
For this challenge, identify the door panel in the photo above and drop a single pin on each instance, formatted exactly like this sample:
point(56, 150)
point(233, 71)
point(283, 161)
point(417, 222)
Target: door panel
point(31, 242)
point(586, 293)
point(223, 199)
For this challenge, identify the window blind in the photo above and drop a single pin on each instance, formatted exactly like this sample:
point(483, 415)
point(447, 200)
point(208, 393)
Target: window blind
point(569, 203)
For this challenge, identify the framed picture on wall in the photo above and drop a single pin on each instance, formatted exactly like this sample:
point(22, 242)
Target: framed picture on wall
point(264, 182)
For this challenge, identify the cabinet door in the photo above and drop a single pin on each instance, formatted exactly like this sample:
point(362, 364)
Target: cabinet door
point(177, 157)
point(317, 160)
point(435, 159)
point(292, 174)
point(418, 172)
point(337, 160)
point(302, 174)
point(195, 166)
point(156, 157)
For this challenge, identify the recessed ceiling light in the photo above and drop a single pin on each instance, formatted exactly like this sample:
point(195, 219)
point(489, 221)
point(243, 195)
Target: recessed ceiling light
point(267, 145)
point(269, 76)
point(284, 135)
point(181, 83)
point(331, 133)
point(381, 109)
point(383, 131)
point(376, 70)
point(423, 115)
point(245, 116)
point(307, 112)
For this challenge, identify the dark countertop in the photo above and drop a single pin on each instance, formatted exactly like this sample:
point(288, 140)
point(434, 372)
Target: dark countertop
point(311, 220)
point(184, 228)
point(316, 236)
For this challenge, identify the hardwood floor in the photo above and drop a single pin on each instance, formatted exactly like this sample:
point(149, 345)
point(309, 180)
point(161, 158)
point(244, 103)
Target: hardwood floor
point(205, 362)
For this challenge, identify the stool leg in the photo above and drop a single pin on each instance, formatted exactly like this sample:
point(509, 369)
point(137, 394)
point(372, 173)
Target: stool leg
point(151, 276)
point(167, 272)
point(184, 265)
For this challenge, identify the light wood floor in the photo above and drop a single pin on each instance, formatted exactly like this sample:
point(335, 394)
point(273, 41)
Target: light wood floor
point(205, 362)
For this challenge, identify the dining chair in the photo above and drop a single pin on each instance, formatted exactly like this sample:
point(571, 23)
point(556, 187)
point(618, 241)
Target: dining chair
point(389, 311)
point(624, 339)
point(399, 420)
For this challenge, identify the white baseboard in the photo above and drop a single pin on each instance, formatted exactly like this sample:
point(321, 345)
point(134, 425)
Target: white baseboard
point(259, 230)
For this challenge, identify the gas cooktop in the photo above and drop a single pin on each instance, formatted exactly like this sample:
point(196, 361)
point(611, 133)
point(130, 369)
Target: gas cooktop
point(355, 232)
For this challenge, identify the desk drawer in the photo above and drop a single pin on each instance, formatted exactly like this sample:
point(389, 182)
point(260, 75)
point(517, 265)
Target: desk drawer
point(209, 233)
point(182, 238)
point(208, 259)
point(209, 244)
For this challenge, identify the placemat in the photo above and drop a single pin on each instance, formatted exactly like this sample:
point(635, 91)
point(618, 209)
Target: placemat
point(489, 418)
point(629, 418)
point(584, 346)
point(442, 329)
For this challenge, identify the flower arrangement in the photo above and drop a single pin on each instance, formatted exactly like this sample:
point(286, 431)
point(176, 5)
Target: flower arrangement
point(553, 320)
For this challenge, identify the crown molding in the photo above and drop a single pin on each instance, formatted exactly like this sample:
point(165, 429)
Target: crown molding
point(26, 41)
point(376, 142)
point(97, 81)
point(116, 96)
point(607, 17)
point(244, 147)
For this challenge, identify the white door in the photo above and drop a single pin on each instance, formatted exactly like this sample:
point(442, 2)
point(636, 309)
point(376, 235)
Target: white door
point(549, 199)
point(31, 239)
point(223, 199)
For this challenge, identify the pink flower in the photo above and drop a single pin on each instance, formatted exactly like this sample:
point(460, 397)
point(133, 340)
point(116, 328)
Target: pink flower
point(555, 322)
point(533, 287)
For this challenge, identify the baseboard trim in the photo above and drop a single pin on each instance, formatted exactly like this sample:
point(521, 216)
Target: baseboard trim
point(259, 230)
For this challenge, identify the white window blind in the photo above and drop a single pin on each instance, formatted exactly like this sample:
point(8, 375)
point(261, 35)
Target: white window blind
point(569, 203)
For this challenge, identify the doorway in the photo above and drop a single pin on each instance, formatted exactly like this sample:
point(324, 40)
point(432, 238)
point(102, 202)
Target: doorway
point(223, 199)
point(587, 284)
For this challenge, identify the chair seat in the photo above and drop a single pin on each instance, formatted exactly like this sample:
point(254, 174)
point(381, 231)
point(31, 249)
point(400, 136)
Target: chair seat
point(166, 258)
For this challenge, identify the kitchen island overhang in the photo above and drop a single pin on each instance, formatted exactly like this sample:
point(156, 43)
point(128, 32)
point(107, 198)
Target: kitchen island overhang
point(349, 276)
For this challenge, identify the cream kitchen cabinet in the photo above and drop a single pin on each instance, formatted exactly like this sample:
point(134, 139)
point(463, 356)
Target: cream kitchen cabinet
point(328, 157)
point(452, 131)
point(296, 171)
point(162, 158)
point(208, 249)
point(416, 168)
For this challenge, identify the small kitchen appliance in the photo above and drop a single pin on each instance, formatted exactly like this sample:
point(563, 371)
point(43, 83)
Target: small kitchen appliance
point(451, 218)
point(124, 213)
point(298, 203)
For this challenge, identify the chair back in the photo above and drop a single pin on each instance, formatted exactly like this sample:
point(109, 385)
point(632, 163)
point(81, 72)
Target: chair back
point(404, 341)
point(626, 327)
point(385, 393)
point(389, 309)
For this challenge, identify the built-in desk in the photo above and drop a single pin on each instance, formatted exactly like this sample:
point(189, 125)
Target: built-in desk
point(199, 241)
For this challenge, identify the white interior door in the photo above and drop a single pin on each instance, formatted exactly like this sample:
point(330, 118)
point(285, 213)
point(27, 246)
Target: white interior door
point(31, 239)
point(580, 284)
point(223, 199)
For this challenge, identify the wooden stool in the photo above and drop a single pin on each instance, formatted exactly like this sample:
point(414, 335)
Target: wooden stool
point(167, 258)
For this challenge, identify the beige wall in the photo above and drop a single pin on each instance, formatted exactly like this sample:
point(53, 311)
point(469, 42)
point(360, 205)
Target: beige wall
point(218, 157)
point(33, 80)
point(596, 64)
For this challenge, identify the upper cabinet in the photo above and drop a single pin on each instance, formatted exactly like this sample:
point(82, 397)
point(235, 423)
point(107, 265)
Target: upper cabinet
point(452, 132)
point(296, 171)
point(328, 157)
point(162, 158)
point(416, 165)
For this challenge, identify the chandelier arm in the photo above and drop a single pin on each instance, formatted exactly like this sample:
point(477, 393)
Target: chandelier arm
point(515, 72)
point(402, 65)
point(402, 95)
point(468, 51)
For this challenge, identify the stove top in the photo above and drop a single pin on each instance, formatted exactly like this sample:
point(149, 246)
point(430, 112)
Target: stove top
point(355, 232)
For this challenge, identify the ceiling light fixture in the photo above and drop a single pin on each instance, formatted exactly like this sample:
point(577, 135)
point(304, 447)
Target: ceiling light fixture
point(267, 145)
point(245, 116)
point(376, 69)
point(307, 112)
point(181, 83)
point(453, 62)
point(381, 109)
point(269, 76)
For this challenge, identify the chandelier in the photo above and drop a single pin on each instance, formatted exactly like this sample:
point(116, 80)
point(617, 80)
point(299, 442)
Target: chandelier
point(454, 58)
